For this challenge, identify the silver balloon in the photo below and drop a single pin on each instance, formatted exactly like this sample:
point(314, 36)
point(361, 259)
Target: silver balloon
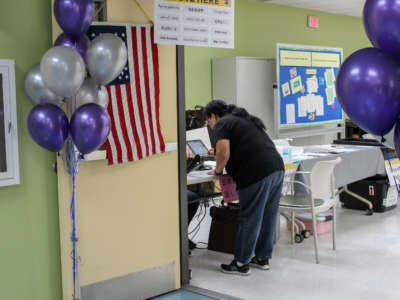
point(102, 97)
point(63, 70)
point(106, 57)
point(91, 93)
point(37, 91)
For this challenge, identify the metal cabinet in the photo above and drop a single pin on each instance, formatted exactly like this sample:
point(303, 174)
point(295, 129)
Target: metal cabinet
point(247, 82)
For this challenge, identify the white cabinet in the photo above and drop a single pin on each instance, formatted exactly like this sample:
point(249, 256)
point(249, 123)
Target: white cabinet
point(247, 82)
point(9, 164)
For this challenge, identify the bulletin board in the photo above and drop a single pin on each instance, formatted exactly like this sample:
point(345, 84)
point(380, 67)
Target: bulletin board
point(306, 77)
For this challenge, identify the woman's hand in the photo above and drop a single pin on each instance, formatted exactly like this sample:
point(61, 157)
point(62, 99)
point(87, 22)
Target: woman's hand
point(211, 151)
point(189, 154)
point(212, 172)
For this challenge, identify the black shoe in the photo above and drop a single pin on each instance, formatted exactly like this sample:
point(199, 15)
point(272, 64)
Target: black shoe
point(233, 268)
point(192, 245)
point(261, 264)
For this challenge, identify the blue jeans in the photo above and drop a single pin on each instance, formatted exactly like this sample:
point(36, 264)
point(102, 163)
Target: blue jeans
point(259, 207)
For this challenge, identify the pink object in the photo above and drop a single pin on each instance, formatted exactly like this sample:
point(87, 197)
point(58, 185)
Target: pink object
point(322, 226)
point(228, 188)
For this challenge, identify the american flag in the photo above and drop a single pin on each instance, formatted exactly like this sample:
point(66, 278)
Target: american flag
point(134, 96)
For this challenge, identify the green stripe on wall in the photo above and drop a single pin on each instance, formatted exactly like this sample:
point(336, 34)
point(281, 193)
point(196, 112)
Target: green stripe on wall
point(259, 27)
point(29, 230)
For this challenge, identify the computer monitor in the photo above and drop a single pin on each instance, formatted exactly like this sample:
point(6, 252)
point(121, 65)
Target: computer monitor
point(197, 147)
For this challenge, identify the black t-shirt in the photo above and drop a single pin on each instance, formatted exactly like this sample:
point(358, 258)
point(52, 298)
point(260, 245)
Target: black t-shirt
point(253, 155)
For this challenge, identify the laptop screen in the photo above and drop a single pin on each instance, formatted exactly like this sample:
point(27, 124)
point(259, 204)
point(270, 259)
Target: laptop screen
point(197, 147)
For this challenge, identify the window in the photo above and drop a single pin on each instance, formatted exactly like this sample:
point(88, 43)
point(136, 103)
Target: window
point(9, 165)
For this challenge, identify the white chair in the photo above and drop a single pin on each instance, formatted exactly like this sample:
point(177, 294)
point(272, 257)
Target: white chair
point(320, 198)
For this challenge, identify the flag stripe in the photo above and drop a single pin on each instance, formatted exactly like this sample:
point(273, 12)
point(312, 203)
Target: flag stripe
point(116, 155)
point(128, 122)
point(157, 88)
point(109, 150)
point(151, 89)
point(122, 152)
point(147, 87)
point(143, 86)
point(133, 122)
point(122, 122)
point(138, 89)
point(141, 144)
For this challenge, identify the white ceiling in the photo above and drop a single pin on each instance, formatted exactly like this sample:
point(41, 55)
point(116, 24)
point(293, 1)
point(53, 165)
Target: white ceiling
point(342, 7)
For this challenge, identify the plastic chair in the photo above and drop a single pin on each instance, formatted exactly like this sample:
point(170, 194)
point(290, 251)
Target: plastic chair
point(320, 198)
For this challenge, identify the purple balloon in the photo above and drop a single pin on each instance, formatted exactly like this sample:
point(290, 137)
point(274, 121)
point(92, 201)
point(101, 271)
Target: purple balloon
point(368, 89)
point(382, 24)
point(48, 126)
point(396, 138)
point(74, 16)
point(90, 126)
point(80, 44)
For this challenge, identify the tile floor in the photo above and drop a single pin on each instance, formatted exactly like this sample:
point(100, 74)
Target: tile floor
point(365, 266)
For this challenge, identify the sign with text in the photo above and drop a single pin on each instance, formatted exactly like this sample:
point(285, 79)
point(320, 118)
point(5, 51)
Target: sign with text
point(206, 23)
point(392, 167)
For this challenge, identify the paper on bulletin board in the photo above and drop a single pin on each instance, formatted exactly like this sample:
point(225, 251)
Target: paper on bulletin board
point(195, 22)
point(325, 60)
point(296, 85)
point(286, 89)
point(330, 78)
point(290, 113)
point(295, 58)
point(312, 85)
point(302, 106)
point(330, 95)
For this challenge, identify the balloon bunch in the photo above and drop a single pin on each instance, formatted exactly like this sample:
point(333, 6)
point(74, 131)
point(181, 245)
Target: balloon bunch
point(368, 83)
point(61, 79)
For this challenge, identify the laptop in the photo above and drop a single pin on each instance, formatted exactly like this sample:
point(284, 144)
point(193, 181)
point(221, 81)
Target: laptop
point(198, 148)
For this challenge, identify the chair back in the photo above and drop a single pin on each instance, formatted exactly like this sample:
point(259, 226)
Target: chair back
point(323, 179)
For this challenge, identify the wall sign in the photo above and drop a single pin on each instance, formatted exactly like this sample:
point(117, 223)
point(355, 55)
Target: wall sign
point(306, 81)
point(206, 23)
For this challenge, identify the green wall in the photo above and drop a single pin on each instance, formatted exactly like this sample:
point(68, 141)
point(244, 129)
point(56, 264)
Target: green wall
point(258, 28)
point(29, 231)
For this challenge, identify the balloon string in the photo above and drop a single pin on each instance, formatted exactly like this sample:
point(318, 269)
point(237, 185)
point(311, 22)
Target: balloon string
point(74, 168)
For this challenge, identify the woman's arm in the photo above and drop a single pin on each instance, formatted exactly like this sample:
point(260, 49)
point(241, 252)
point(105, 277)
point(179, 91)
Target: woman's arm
point(222, 155)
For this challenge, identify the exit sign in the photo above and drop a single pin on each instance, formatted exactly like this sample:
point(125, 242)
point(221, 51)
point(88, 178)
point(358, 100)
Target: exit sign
point(313, 22)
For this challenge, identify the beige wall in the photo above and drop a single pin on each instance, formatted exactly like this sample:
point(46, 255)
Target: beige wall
point(128, 214)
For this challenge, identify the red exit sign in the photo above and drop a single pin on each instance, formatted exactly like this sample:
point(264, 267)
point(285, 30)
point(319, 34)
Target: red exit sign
point(313, 22)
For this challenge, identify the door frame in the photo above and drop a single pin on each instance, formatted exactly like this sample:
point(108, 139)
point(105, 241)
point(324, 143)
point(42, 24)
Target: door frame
point(183, 203)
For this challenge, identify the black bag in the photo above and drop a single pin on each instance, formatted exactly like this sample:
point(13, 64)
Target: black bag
point(374, 189)
point(224, 227)
point(195, 118)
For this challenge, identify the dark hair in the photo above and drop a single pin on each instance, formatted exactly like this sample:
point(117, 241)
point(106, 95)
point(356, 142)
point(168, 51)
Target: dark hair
point(220, 109)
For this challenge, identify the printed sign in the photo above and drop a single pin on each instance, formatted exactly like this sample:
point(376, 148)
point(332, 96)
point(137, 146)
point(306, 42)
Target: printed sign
point(206, 23)
point(371, 189)
point(391, 198)
point(392, 167)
